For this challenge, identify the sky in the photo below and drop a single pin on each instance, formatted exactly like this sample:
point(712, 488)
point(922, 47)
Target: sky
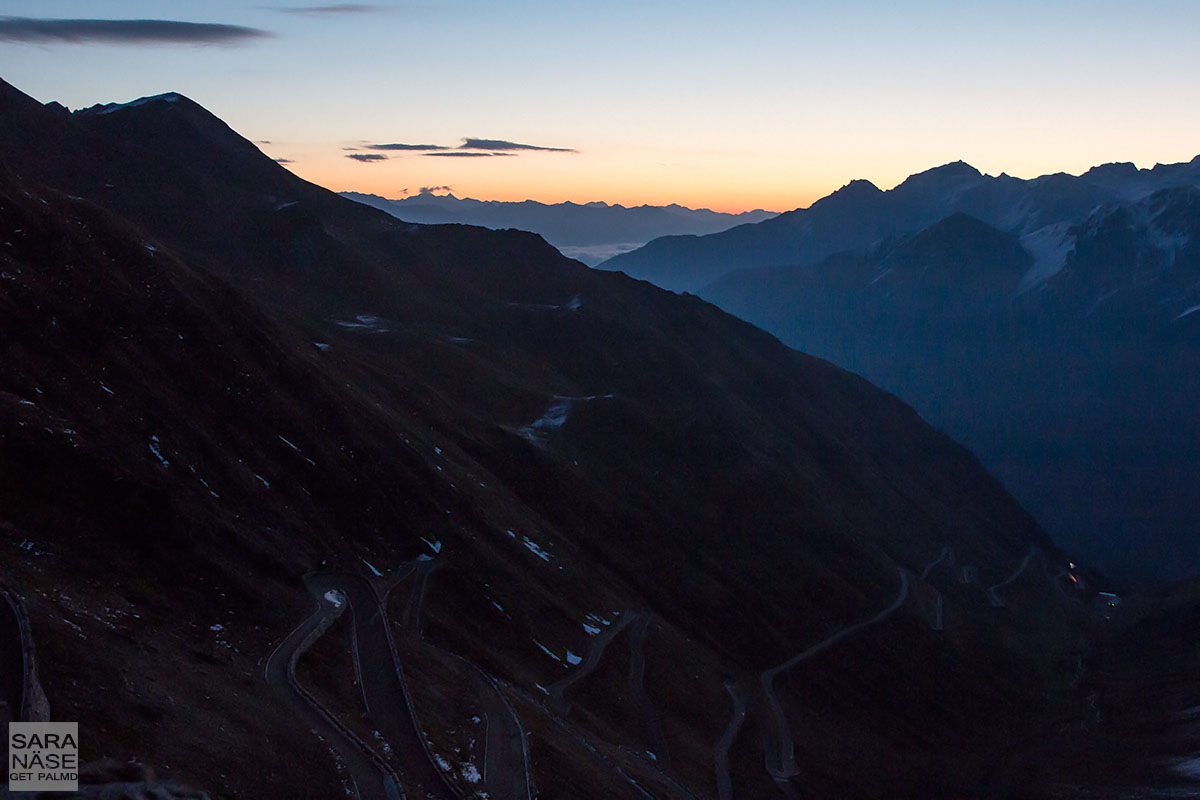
point(724, 105)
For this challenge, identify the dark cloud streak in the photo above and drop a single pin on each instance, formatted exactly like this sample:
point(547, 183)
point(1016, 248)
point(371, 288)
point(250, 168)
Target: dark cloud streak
point(470, 148)
point(461, 154)
point(397, 146)
point(338, 8)
point(122, 31)
point(501, 144)
point(367, 158)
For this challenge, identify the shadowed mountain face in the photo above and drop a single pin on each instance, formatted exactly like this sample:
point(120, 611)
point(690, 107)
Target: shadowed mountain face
point(592, 232)
point(220, 379)
point(1067, 358)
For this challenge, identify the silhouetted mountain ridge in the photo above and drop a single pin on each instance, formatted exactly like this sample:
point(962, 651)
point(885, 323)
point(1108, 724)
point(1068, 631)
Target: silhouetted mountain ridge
point(858, 218)
point(590, 232)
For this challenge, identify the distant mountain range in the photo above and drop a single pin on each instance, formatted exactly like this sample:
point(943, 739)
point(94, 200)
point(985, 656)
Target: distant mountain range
point(592, 232)
point(1051, 324)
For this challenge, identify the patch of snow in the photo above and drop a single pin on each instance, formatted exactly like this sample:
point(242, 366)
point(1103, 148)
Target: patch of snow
point(105, 388)
point(218, 627)
point(434, 546)
point(574, 304)
point(442, 763)
point(533, 547)
point(511, 535)
point(289, 444)
point(157, 452)
point(387, 748)
point(437, 450)
point(546, 650)
point(1188, 311)
point(368, 322)
point(469, 772)
point(321, 345)
point(152, 248)
point(476, 719)
point(556, 414)
point(265, 482)
point(169, 97)
point(573, 659)
point(1049, 247)
point(30, 546)
point(371, 567)
point(335, 597)
point(498, 606)
point(282, 206)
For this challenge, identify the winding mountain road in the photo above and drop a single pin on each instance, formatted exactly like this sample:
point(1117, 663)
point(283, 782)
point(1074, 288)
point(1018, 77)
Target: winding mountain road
point(599, 644)
point(372, 776)
point(995, 599)
point(12, 664)
point(728, 737)
point(652, 733)
point(946, 555)
point(781, 753)
point(506, 766)
point(390, 707)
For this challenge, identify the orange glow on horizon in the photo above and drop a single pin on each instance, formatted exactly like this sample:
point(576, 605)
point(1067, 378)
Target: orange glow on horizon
point(722, 181)
point(729, 198)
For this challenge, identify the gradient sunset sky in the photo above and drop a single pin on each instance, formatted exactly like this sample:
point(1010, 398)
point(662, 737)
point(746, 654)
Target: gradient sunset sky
point(731, 106)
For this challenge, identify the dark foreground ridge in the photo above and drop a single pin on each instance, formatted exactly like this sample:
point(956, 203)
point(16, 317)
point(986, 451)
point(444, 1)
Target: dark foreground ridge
point(220, 379)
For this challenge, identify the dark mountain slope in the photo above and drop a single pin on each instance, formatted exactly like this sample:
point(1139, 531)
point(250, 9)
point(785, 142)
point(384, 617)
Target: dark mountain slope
point(185, 437)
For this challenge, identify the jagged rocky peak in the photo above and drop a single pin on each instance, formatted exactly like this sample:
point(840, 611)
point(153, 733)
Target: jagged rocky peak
point(954, 173)
point(1117, 170)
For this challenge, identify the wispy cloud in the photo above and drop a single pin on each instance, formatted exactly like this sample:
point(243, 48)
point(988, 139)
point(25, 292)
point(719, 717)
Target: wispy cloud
point(122, 31)
point(283, 161)
point(432, 189)
point(337, 8)
point(398, 146)
point(463, 154)
point(367, 157)
point(470, 148)
point(501, 144)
